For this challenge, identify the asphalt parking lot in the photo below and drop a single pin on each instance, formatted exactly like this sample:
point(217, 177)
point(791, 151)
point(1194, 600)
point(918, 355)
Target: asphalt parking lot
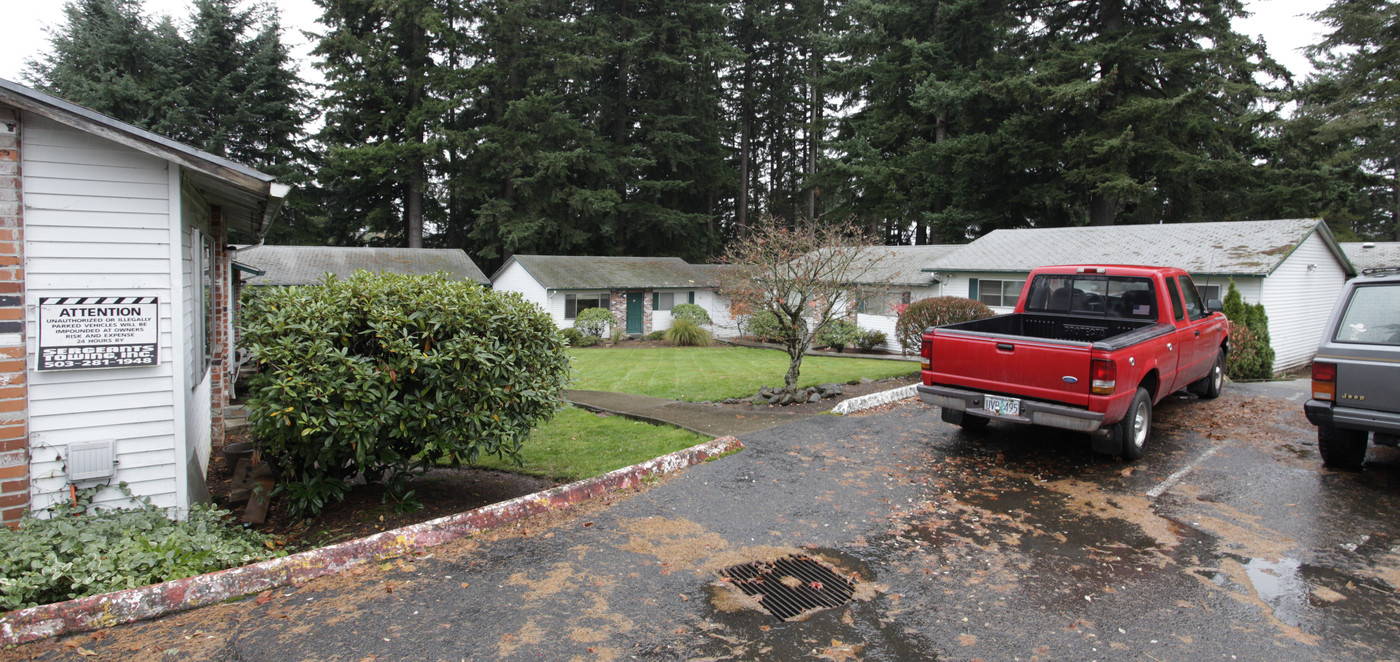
point(1228, 541)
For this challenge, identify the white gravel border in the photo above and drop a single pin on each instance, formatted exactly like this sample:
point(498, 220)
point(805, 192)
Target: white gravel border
point(875, 399)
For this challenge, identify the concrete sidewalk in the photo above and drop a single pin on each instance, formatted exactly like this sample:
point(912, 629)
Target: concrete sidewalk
point(699, 418)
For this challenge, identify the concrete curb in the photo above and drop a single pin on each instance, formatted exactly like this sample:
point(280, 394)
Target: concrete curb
point(875, 399)
point(136, 604)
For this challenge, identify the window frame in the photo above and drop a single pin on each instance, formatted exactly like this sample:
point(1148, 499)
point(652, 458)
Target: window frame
point(572, 299)
point(1001, 287)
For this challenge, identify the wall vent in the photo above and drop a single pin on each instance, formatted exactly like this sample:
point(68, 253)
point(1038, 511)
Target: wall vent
point(91, 460)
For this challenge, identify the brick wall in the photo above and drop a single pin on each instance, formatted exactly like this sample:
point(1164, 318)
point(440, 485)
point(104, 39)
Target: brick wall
point(617, 301)
point(219, 362)
point(14, 390)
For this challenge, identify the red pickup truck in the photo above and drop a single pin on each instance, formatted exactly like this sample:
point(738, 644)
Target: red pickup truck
point(1089, 348)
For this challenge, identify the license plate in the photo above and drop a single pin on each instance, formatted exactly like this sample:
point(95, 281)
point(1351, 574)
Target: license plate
point(1003, 406)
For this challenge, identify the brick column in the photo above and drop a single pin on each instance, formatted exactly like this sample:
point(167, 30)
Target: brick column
point(219, 361)
point(14, 361)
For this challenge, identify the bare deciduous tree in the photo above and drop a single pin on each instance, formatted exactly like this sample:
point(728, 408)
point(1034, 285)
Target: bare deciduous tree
point(806, 274)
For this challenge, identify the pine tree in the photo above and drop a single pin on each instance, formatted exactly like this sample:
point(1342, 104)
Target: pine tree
point(1153, 106)
point(1353, 101)
point(108, 56)
point(380, 117)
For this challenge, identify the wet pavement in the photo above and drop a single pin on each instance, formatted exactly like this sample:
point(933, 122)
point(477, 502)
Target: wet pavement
point(1228, 541)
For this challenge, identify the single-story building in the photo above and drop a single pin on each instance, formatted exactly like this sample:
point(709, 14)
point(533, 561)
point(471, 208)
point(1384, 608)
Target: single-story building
point(895, 279)
point(1294, 267)
point(307, 265)
point(1372, 254)
point(640, 291)
point(115, 304)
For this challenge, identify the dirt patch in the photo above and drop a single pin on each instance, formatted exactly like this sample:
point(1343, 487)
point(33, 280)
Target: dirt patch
point(369, 509)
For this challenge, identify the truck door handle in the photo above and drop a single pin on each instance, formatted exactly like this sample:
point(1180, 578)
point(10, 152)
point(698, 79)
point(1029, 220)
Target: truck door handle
point(1198, 333)
point(1006, 346)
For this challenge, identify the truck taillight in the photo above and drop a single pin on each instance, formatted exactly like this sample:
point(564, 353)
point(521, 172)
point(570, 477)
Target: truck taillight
point(1324, 381)
point(1103, 376)
point(926, 351)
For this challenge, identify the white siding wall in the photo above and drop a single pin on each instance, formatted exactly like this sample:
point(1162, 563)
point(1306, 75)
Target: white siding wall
point(723, 325)
point(194, 213)
point(556, 305)
point(1298, 301)
point(97, 215)
point(956, 284)
point(514, 278)
point(887, 323)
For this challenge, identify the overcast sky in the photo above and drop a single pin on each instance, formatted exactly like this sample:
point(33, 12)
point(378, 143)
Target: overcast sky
point(1282, 23)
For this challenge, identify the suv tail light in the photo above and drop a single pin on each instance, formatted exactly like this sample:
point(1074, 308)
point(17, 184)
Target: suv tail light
point(1324, 381)
point(1103, 376)
point(926, 351)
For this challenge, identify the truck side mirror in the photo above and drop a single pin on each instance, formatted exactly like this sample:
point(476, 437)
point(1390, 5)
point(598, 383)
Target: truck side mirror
point(1214, 306)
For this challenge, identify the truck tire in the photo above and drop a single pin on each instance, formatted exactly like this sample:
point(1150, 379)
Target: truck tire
point(1209, 386)
point(1341, 448)
point(1130, 434)
point(965, 420)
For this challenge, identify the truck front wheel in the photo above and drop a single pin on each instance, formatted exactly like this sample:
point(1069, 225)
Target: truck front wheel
point(1130, 434)
point(1341, 448)
point(965, 420)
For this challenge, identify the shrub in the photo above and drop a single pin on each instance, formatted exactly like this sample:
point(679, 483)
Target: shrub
point(594, 321)
point(838, 333)
point(77, 552)
point(572, 336)
point(765, 327)
point(869, 340)
point(657, 335)
point(1251, 354)
point(689, 311)
point(935, 311)
point(588, 341)
point(382, 375)
point(685, 333)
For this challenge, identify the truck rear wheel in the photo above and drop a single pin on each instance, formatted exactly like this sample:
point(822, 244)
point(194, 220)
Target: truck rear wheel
point(1130, 434)
point(1341, 448)
point(965, 420)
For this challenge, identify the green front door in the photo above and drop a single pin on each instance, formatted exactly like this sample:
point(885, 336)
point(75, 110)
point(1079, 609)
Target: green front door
point(634, 312)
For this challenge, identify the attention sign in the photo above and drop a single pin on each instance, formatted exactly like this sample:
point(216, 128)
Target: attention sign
point(98, 332)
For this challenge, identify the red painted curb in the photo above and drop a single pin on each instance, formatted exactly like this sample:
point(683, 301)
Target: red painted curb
point(109, 609)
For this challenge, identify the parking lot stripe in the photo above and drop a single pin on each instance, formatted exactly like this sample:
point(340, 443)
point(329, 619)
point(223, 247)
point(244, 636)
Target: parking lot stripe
point(1175, 478)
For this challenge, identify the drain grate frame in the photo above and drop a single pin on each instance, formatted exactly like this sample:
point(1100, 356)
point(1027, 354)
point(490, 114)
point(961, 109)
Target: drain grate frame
point(791, 586)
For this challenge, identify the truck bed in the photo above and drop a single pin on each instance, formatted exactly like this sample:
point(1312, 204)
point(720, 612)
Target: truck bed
point(1105, 332)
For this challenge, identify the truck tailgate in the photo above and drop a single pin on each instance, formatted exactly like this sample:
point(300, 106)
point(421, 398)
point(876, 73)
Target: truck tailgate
point(1045, 370)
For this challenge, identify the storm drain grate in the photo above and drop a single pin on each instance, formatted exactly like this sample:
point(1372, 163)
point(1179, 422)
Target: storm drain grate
point(791, 585)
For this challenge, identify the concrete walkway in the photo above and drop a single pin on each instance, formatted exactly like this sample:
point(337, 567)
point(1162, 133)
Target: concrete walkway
point(699, 418)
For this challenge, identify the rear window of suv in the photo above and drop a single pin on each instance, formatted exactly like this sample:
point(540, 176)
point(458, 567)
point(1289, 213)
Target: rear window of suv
point(1372, 316)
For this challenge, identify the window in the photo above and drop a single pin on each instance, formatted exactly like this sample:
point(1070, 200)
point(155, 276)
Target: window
point(574, 303)
point(1372, 316)
point(1109, 296)
point(883, 302)
point(1175, 296)
point(1194, 308)
point(1002, 293)
point(1208, 292)
point(663, 300)
point(202, 304)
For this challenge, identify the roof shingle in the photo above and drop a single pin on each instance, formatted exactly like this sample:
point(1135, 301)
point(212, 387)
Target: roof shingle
point(306, 265)
point(1371, 254)
point(1245, 248)
point(570, 272)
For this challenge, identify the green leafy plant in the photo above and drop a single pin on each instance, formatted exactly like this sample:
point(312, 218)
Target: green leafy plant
point(693, 312)
point(385, 375)
point(765, 327)
point(1251, 354)
point(79, 550)
point(594, 321)
point(870, 340)
point(571, 336)
point(685, 333)
point(839, 333)
point(587, 341)
point(935, 311)
point(657, 335)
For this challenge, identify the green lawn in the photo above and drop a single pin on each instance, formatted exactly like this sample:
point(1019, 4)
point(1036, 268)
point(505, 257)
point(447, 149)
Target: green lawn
point(698, 374)
point(579, 444)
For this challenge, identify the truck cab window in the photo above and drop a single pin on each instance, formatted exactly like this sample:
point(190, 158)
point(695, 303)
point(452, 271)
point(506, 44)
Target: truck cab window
point(1177, 311)
point(1194, 308)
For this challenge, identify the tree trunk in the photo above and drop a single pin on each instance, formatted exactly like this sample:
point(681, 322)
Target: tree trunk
point(413, 205)
point(1103, 210)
